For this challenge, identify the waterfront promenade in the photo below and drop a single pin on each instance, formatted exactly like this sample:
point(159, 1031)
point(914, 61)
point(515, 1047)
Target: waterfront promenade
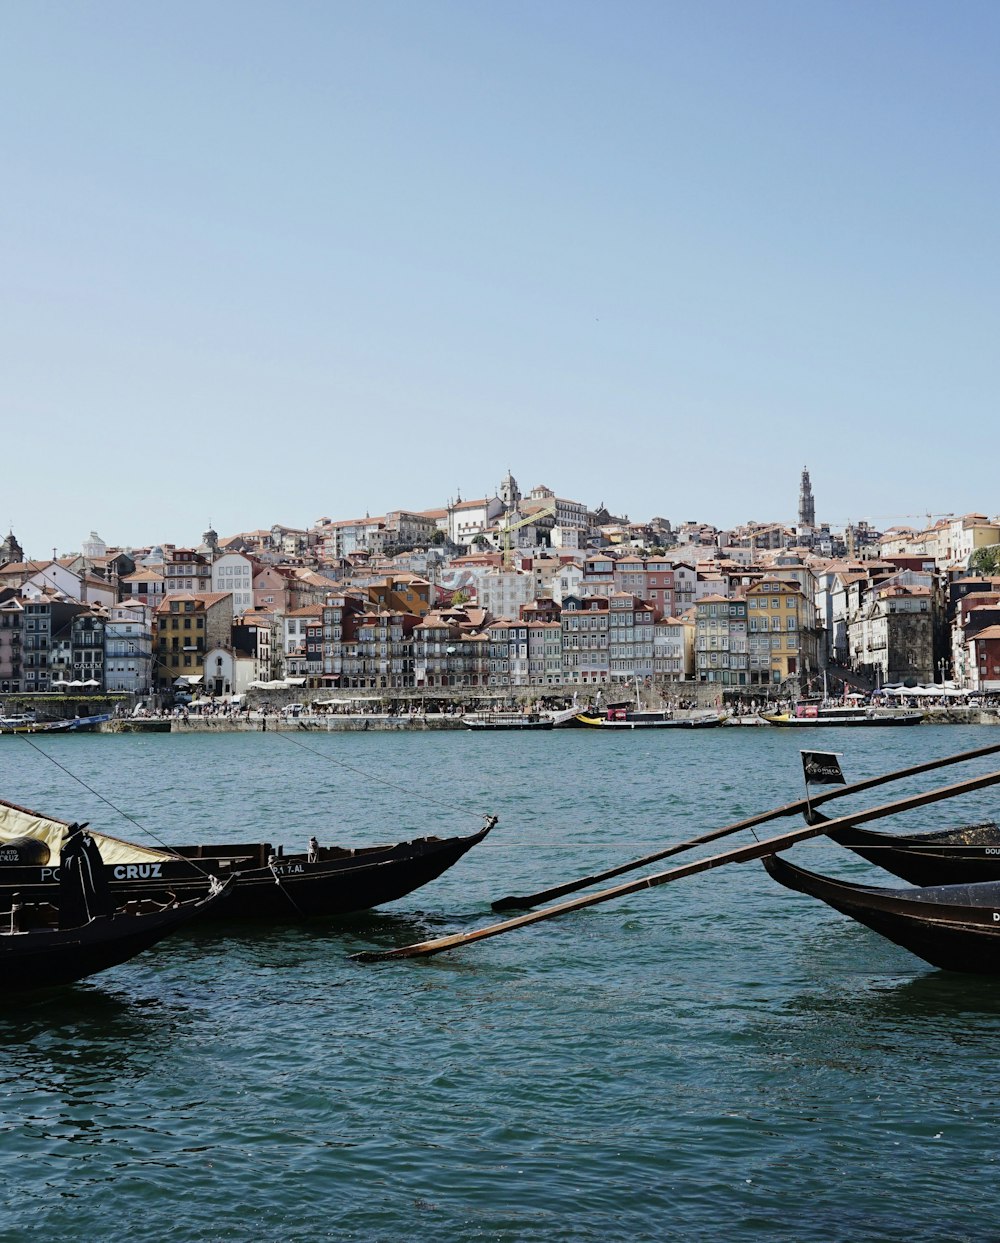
point(257, 722)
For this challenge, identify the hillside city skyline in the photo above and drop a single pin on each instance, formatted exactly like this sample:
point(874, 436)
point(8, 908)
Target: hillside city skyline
point(512, 590)
point(805, 520)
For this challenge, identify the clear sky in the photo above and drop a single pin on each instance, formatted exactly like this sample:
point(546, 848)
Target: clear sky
point(267, 262)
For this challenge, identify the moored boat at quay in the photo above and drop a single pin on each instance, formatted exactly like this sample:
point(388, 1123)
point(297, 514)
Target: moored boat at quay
point(508, 720)
point(325, 881)
point(954, 927)
point(805, 716)
point(967, 854)
point(72, 725)
point(84, 930)
point(640, 718)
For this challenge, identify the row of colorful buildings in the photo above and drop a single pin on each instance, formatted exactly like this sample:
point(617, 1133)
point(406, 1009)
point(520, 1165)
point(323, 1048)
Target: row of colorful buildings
point(464, 601)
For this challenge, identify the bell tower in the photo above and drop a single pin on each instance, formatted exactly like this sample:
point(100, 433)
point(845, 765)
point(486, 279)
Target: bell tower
point(807, 506)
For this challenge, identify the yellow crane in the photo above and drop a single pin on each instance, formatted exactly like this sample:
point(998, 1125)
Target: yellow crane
point(547, 511)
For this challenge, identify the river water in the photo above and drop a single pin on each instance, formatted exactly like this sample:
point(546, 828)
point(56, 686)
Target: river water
point(717, 1059)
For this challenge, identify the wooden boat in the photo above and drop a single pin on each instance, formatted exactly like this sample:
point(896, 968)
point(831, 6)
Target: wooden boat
point(955, 927)
point(270, 884)
point(139, 725)
point(956, 856)
point(636, 718)
point(507, 720)
point(809, 715)
point(77, 724)
point(84, 931)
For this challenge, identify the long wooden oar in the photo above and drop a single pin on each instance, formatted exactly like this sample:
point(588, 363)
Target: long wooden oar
point(743, 854)
point(520, 902)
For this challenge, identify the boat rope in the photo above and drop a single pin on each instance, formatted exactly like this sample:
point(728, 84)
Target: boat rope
point(277, 881)
point(369, 776)
point(170, 850)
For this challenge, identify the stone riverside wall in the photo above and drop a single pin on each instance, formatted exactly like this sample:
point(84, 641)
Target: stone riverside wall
point(343, 722)
point(332, 724)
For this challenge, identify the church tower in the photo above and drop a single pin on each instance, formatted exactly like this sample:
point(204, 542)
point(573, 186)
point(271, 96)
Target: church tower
point(807, 506)
point(209, 542)
point(11, 551)
point(509, 493)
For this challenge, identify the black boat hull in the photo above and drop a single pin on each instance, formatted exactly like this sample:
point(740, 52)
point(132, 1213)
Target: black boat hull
point(647, 721)
point(785, 721)
point(292, 888)
point(962, 856)
point(43, 957)
point(954, 927)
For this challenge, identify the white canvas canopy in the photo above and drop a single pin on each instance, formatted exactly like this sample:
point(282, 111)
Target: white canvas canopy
point(920, 692)
point(21, 822)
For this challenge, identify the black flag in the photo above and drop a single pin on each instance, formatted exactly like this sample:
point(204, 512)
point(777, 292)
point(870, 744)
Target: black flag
point(822, 768)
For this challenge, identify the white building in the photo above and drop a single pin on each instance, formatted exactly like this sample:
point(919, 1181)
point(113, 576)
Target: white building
point(673, 643)
point(568, 582)
point(55, 578)
point(128, 648)
point(468, 519)
point(233, 572)
point(502, 592)
point(296, 625)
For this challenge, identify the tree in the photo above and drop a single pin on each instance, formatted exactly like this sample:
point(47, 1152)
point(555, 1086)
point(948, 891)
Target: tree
point(459, 598)
point(986, 560)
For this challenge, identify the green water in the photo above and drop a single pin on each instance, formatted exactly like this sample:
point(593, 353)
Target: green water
point(720, 1059)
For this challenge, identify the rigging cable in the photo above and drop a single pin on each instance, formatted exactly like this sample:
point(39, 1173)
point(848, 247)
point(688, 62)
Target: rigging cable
point(393, 785)
point(169, 849)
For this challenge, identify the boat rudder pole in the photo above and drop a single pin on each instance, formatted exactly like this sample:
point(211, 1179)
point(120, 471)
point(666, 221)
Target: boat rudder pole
point(517, 902)
point(742, 854)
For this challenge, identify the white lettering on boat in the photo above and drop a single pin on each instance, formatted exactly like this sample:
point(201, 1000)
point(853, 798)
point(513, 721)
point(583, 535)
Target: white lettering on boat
point(49, 874)
point(138, 871)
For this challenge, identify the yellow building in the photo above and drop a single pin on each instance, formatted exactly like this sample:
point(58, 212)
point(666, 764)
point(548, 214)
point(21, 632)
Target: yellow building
point(781, 632)
point(187, 624)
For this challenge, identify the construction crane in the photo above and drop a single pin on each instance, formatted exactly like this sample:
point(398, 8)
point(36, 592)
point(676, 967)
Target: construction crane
point(926, 515)
point(547, 511)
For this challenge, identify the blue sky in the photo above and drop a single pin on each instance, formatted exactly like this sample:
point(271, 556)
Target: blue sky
point(265, 262)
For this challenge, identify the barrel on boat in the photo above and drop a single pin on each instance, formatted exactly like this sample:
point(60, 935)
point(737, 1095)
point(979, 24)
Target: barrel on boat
point(23, 852)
